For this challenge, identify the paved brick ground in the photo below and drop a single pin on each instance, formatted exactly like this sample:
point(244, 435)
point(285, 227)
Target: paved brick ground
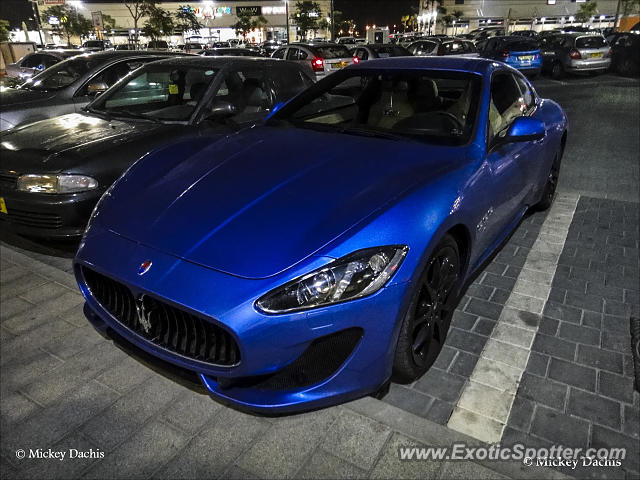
point(435, 394)
point(64, 387)
point(578, 386)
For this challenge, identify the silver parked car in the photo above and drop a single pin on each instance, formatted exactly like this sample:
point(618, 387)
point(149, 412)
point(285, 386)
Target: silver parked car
point(321, 58)
point(443, 46)
point(68, 86)
point(35, 62)
point(576, 52)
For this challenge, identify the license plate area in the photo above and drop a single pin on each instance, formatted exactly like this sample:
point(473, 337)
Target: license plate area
point(3, 206)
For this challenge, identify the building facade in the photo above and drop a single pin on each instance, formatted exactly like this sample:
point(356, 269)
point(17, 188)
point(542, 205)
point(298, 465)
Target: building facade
point(217, 17)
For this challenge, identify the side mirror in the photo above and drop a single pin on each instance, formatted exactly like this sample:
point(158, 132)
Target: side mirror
point(523, 129)
point(95, 89)
point(221, 110)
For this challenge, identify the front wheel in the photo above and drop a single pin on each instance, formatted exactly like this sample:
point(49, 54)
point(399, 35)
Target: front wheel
point(426, 323)
point(550, 186)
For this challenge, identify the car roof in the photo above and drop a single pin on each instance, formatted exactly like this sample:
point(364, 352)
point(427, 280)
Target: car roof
point(67, 52)
point(115, 54)
point(463, 64)
point(221, 61)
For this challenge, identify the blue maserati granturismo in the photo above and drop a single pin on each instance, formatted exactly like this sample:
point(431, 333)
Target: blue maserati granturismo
point(312, 259)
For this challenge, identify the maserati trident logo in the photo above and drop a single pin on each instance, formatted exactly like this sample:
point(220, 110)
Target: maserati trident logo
point(143, 317)
point(144, 267)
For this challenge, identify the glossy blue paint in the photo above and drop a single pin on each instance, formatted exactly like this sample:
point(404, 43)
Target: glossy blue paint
point(224, 222)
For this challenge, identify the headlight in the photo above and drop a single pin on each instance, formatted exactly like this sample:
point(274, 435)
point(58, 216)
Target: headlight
point(56, 183)
point(356, 275)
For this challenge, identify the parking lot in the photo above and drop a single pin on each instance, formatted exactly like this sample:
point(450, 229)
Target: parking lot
point(538, 352)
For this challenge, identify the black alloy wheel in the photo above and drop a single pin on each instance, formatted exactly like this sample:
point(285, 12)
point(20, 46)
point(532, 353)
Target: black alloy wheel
point(426, 324)
point(551, 185)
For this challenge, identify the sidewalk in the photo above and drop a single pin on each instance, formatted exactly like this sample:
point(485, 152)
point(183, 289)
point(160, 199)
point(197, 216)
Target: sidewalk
point(64, 387)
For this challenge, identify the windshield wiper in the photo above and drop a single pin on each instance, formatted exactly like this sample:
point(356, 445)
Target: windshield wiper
point(101, 113)
point(130, 114)
point(371, 133)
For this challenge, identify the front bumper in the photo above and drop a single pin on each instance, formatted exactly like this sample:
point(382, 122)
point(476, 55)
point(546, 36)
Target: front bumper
point(48, 215)
point(271, 346)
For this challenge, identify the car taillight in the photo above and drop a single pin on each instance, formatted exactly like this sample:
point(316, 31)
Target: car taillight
point(318, 65)
point(505, 53)
point(575, 54)
point(356, 60)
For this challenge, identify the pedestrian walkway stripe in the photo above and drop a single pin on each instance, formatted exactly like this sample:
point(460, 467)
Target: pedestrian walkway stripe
point(486, 401)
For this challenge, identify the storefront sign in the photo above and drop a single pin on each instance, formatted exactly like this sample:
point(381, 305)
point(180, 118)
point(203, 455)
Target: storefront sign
point(253, 11)
point(209, 11)
point(97, 20)
point(274, 10)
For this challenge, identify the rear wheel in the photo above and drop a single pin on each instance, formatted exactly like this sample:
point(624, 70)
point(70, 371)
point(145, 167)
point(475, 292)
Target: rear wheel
point(426, 323)
point(557, 71)
point(550, 186)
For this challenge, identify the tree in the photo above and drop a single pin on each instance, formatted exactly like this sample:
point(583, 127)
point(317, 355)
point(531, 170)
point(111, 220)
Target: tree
point(159, 22)
point(341, 25)
point(409, 22)
point(4, 31)
point(70, 22)
point(137, 10)
point(108, 22)
point(247, 23)
point(630, 7)
point(186, 19)
point(308, 13)
point(586, 11)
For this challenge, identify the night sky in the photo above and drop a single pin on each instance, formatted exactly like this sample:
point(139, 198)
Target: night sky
point(378, 12)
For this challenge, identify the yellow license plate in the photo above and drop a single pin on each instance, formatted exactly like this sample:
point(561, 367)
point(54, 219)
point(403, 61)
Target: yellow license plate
point(3, 206)
point(596, 55)
point(526, 57)
point(339, 65)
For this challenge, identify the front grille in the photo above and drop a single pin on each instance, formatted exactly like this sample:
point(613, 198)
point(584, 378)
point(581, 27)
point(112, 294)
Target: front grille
point(319, 361)
point(8, 180)
point(33, 219)
point(162, 324)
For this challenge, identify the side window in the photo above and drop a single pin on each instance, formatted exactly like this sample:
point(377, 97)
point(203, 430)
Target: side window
point(288, 82)
point(113, 73)
point(528, 97)
point(362, 54)
point(32, 62)
point(279, 53)
point(302, 55)
point(49, 60)
point(506, 103)
point(292, 54)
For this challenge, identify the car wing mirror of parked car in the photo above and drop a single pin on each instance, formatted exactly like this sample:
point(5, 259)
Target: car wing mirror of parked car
point(95, 89)
point(220, 111)
point(522, 129)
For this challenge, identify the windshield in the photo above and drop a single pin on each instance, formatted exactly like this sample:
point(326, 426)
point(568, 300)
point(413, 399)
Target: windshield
point(158, 92)
point(385, 51)
point(61, 74)
point(430, 106)
point(591, 42)
point(334, 51)
point(93, 43)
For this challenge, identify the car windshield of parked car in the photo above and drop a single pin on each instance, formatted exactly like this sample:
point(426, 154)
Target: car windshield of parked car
point(591, 42)
point(332, 51)
point(61, 74)
point(388, 50)
point(158, 92)
point(430, 106)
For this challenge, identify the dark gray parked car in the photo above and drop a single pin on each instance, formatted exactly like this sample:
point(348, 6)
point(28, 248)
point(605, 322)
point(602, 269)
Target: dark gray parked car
point(36, 62)
point(68, 86)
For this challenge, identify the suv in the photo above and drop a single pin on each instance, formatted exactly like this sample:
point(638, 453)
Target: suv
point(321, 58)
point(576, 52)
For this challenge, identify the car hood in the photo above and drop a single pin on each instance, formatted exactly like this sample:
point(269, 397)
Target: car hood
point(61, 143)
point(12, 98)
point(256, 203)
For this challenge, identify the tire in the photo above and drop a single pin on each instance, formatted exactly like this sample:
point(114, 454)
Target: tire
point(425, 326)
point(549, 190)
point(557, 71)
